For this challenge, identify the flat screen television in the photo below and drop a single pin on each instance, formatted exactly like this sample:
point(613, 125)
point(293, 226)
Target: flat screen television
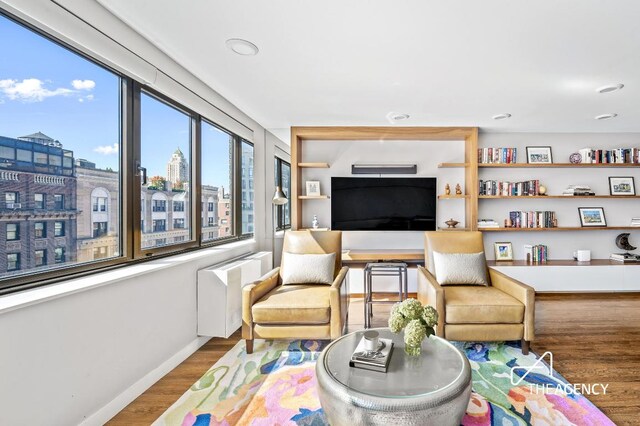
point(383, 204)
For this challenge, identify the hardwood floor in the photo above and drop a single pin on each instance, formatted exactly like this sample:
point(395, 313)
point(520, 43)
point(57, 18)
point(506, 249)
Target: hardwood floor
point(594, 338)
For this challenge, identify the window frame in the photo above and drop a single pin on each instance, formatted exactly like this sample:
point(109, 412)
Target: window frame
point(130, 208)
point(279, 219)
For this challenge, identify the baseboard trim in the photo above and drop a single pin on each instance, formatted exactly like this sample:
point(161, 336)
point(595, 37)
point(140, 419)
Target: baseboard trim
point(116, 405)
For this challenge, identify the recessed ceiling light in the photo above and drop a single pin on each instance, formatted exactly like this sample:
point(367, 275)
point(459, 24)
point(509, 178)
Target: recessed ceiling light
point(610, 88)
point(242, 47)
point(502, 116)
point(397, 116)
point(606, 116)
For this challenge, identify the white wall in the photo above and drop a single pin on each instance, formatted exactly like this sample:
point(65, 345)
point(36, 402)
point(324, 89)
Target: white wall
point(618, 212)
point(84, 349)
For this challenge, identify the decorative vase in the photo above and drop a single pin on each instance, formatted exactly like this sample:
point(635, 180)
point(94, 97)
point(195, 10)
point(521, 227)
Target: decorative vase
point(412, 350)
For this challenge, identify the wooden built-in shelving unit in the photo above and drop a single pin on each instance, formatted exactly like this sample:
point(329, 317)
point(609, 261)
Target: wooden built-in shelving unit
point(562, 228)
point(453, 197)
point(561, 262)
point(313, 165)
point(521, 197)
point(313, 197)
point(553, 165)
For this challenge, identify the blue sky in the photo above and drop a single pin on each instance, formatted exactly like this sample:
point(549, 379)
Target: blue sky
point(46, 88)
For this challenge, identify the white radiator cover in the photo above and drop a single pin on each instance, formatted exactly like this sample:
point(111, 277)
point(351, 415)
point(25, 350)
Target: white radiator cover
point(220, 293)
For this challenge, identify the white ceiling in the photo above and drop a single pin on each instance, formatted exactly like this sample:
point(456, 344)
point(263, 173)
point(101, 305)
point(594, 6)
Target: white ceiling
point(446, 63)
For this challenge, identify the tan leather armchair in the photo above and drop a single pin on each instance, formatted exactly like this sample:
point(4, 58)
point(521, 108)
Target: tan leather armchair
point(297, 311)
point(502, 311)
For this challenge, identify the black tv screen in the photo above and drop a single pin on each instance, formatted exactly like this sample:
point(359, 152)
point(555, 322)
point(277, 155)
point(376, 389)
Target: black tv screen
point(383, 204)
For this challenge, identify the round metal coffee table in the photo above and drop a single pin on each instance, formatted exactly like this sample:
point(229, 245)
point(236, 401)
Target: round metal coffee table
point(432, 389)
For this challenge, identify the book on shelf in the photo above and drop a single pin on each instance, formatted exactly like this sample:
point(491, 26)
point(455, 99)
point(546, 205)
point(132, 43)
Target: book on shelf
point(625, 257)
point(497, 155)
point(492, 187)
point(377, 360)
point(610, 156)
point(538, 253)
point(578, 190)
point(635, 221)
point(532, 219)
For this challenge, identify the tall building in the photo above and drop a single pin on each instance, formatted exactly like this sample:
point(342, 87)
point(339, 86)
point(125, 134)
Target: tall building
point(178, 168)
point(38, 203)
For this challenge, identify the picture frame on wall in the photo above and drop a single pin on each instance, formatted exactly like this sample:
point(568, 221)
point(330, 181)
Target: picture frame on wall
point(503, 251)
point(539, 155)
point(592, 217)
point(622, 186)
point(313, 188)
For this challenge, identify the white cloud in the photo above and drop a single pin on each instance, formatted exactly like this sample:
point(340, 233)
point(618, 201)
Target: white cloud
point(107, 149)
point(30, 90)
point(83, 84)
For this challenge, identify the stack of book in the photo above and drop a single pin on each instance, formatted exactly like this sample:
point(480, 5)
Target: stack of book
point(635, 221)
point(537, 219)
point(526, 188)
point(625, 257)
point(377, 360)
point(497, 155)
point(536, 253)
point(487, 223)
point(578, 190)
point(619, 155)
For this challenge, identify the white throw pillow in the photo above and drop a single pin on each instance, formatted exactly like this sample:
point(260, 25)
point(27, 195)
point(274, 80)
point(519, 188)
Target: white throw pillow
point(460, 268)
point(308, 268)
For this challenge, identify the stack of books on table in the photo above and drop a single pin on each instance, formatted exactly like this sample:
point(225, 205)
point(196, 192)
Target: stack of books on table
point(578, 190)
point(487, 223)
point(625, 257)
point(377, 360)
point(635, 221)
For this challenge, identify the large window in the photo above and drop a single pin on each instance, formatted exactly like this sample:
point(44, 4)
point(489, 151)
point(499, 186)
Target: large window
point(283, 180)
point(216, 160)
point(247, 187)
point(166, 154)
point(56, 107)
point(66, 123)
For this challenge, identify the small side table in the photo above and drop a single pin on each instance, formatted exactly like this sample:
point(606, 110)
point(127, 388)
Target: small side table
point(383, 269)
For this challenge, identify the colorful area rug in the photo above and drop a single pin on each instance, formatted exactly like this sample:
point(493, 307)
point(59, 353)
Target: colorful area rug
point(276, 386)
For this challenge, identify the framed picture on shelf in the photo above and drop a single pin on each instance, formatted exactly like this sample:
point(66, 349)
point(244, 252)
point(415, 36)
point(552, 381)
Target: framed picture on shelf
point(503, 251)
point(313, 188)
point(539, 155)
point(592, 216)
point(622, 185)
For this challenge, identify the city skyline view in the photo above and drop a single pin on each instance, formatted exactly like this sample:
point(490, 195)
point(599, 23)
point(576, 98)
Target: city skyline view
point(71, 100)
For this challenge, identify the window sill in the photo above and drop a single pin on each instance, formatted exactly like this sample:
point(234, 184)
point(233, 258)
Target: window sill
point(34, 296)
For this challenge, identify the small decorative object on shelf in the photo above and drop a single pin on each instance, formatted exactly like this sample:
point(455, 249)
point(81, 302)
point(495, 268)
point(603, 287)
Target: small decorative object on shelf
point(447, 189)
point(497, 155)
point(539, 155)
point(533, 219)
point(575, 158)
point(313, 188)
point(536, 253)
point(622, 186)
point(592, 216)
point(458, 189)
point(582, 255)
point(487, 223)
point(372, 353)
point(417, 322)
point(503, 251)
point(542, 190)
point(622, 242)
point(451, 223)
point(315, 223)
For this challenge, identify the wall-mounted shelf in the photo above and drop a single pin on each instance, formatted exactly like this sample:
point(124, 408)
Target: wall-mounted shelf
point(554, 165)
point(452, 165)
point(562, 228)
point(561, 262)
point(520, 197)
point(452, 197)
point(313, 197)
point(454, 229)
point(313, 165)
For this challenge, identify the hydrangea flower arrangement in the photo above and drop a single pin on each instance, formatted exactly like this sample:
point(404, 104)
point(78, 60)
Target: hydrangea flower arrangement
point(416, 321)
